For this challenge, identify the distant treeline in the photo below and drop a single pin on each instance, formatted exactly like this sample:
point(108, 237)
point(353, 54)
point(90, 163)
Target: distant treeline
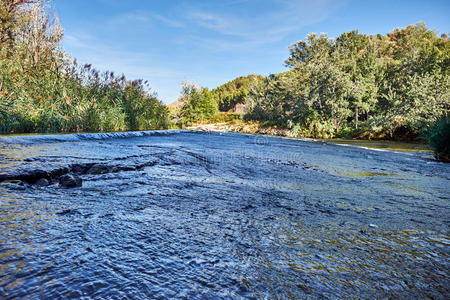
point(378, 86)
point(394, 86)
point(234, 92)
point(356, 85)
point(199, 104)
point(43, 90)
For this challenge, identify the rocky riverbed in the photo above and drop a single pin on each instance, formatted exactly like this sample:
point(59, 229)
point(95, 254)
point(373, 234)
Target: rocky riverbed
point(178, 214)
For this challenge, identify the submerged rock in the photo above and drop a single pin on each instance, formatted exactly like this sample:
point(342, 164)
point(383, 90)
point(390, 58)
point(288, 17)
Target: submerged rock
point(42, 182)
point(98, 169)
point(70, 181)
point(79, 168)
point(31, 176)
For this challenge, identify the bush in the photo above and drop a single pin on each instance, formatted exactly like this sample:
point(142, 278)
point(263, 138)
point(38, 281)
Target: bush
point(45, 91)
point(198, 104)
point(439, 138)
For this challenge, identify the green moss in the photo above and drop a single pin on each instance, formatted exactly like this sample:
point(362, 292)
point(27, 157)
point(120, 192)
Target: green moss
point(362, 174)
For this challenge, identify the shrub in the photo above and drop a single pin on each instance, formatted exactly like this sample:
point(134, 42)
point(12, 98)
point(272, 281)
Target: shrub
point(42, 90)
point(439, 138)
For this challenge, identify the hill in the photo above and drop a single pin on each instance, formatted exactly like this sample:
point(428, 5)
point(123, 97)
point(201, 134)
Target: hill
point(234, 92)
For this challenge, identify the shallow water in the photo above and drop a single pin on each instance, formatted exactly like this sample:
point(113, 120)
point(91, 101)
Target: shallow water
point(191, 215)
point(382, 145)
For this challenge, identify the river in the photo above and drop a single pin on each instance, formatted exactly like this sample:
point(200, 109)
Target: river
point(178, 214)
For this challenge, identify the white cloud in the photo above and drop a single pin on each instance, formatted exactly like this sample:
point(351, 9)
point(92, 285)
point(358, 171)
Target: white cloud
point(130, 17)
point(134, 64)
point(221, 24)
point(259, 29)
point(228, 30)
point(144, 17)
point(169, 21)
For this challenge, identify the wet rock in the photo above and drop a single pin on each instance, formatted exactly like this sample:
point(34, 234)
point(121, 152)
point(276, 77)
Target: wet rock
point(68, 212)
point(128, 168)
point(70, 181)
point(34, 175)
point(79, 169)
point(42, 182)
point(57, 172)
point(98, 169)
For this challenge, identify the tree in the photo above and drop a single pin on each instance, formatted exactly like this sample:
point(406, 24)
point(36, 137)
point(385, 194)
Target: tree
point(371, 86)
point(234, 92)
point(39, 35)
point(11, 14)
point(198, 103)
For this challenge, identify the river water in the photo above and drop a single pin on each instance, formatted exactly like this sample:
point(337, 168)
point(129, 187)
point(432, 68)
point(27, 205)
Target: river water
point(175, 214)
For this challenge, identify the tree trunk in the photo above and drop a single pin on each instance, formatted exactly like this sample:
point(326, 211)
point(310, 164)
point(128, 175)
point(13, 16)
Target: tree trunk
point(333, 117)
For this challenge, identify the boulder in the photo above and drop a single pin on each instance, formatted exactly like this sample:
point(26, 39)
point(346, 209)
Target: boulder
point(70, 181)
point(34, 175)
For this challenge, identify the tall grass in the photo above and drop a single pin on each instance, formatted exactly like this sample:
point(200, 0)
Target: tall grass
point(43, 90)
point(79, 98)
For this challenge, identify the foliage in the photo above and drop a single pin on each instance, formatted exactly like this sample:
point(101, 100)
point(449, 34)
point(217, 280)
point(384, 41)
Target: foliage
point(439, 138)
point(368, 86)
point(234, 92)
point(43, 90)
point(198, 103)
point(220, 117)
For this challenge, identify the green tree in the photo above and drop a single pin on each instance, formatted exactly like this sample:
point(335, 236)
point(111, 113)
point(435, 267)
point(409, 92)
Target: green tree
point(373, 86)
point(198, 103)
point(234, 92)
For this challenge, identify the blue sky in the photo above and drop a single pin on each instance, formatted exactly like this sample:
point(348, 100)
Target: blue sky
point(212, 42)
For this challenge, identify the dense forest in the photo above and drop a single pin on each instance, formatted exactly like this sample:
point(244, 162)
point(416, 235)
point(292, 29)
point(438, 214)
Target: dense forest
point(42, 89)
point(394, 86)
point(366, 86)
